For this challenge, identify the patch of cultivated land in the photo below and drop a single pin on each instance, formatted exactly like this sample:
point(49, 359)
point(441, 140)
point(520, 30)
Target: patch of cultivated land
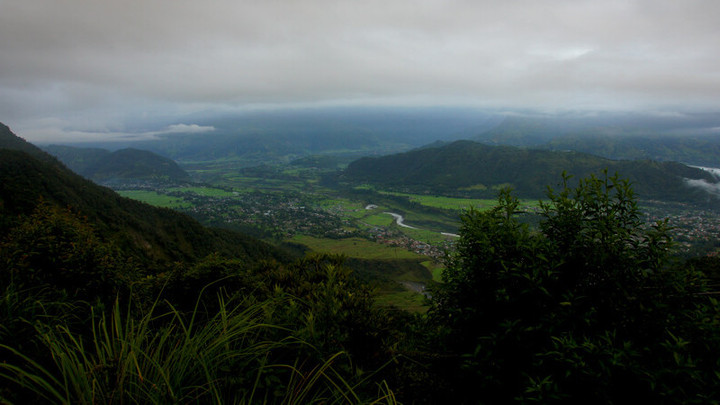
point(409, 301)
point(203, 191)
point(457, 204)
point(356, 248)
point(155, 198)
point(435, 269)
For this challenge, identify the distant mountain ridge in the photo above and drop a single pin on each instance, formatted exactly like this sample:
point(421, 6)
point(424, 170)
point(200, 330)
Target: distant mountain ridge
point(692, 139)
point(253, 138)
point(101, 165)
point(472, 168)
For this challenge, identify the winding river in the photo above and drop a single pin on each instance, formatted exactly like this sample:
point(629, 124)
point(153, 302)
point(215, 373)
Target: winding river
point(400, 220)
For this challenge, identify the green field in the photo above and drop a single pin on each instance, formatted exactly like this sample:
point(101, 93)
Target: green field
point(406, 300)
point(457, 204)
point(261, 183)
point(347, 207)
point(449, 203)
point(204, 191)
point(156, 199)
point(355, 247)
point(431, 237)
point(379, 219)
point(428, 225)
point(435, 268)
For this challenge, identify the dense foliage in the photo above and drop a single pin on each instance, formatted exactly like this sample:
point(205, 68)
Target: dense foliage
point(586, 309)
point(82, 323)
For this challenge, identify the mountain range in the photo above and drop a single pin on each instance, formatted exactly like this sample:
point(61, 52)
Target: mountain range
point(251, 138)
point(691, 139)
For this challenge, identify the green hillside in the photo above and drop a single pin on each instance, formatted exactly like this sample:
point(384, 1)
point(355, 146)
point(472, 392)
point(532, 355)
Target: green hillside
point(475, 169)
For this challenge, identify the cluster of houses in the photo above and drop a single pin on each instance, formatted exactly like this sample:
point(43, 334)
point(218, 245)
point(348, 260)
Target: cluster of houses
point(690, 228)
point(394, 238)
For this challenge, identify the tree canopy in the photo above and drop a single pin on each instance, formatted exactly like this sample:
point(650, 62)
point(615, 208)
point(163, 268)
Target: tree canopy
point(588, 307)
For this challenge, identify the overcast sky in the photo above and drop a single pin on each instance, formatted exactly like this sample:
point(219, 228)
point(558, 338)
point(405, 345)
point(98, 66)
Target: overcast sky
point(77, 67)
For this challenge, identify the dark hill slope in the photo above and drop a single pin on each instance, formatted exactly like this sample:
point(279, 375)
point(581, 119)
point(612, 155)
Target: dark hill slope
point(479, 169)
point(8, 140)
point(149, 233)
point(152, 234)
point(102, 165)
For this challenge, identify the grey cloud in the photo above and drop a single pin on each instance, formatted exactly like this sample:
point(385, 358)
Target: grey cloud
point(711, 188)
point(51, 131)
point(186, 129)
point(89, 59)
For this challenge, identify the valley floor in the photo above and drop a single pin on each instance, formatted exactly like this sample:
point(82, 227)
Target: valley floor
point(295, 206)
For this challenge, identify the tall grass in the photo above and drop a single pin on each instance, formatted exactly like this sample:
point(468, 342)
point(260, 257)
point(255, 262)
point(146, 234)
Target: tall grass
point(171, 357)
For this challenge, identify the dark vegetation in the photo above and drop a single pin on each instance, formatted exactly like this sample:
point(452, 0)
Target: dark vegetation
point(151, 234)
point(589, 308)
point(475, 169)
point(107, 300)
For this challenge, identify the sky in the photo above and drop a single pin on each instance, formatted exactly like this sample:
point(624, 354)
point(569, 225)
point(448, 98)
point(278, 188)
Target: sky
point(86, 69)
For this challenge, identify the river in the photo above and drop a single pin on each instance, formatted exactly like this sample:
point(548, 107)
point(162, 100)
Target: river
point(400, 220)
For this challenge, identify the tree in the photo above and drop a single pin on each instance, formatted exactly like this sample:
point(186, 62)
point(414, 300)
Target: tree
point(54, 247)
point(587, 307)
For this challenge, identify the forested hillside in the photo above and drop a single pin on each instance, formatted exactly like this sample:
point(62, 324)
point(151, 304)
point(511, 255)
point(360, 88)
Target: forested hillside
point(472, 168)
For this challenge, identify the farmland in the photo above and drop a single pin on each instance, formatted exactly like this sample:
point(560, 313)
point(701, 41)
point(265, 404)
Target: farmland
point(306, 207)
